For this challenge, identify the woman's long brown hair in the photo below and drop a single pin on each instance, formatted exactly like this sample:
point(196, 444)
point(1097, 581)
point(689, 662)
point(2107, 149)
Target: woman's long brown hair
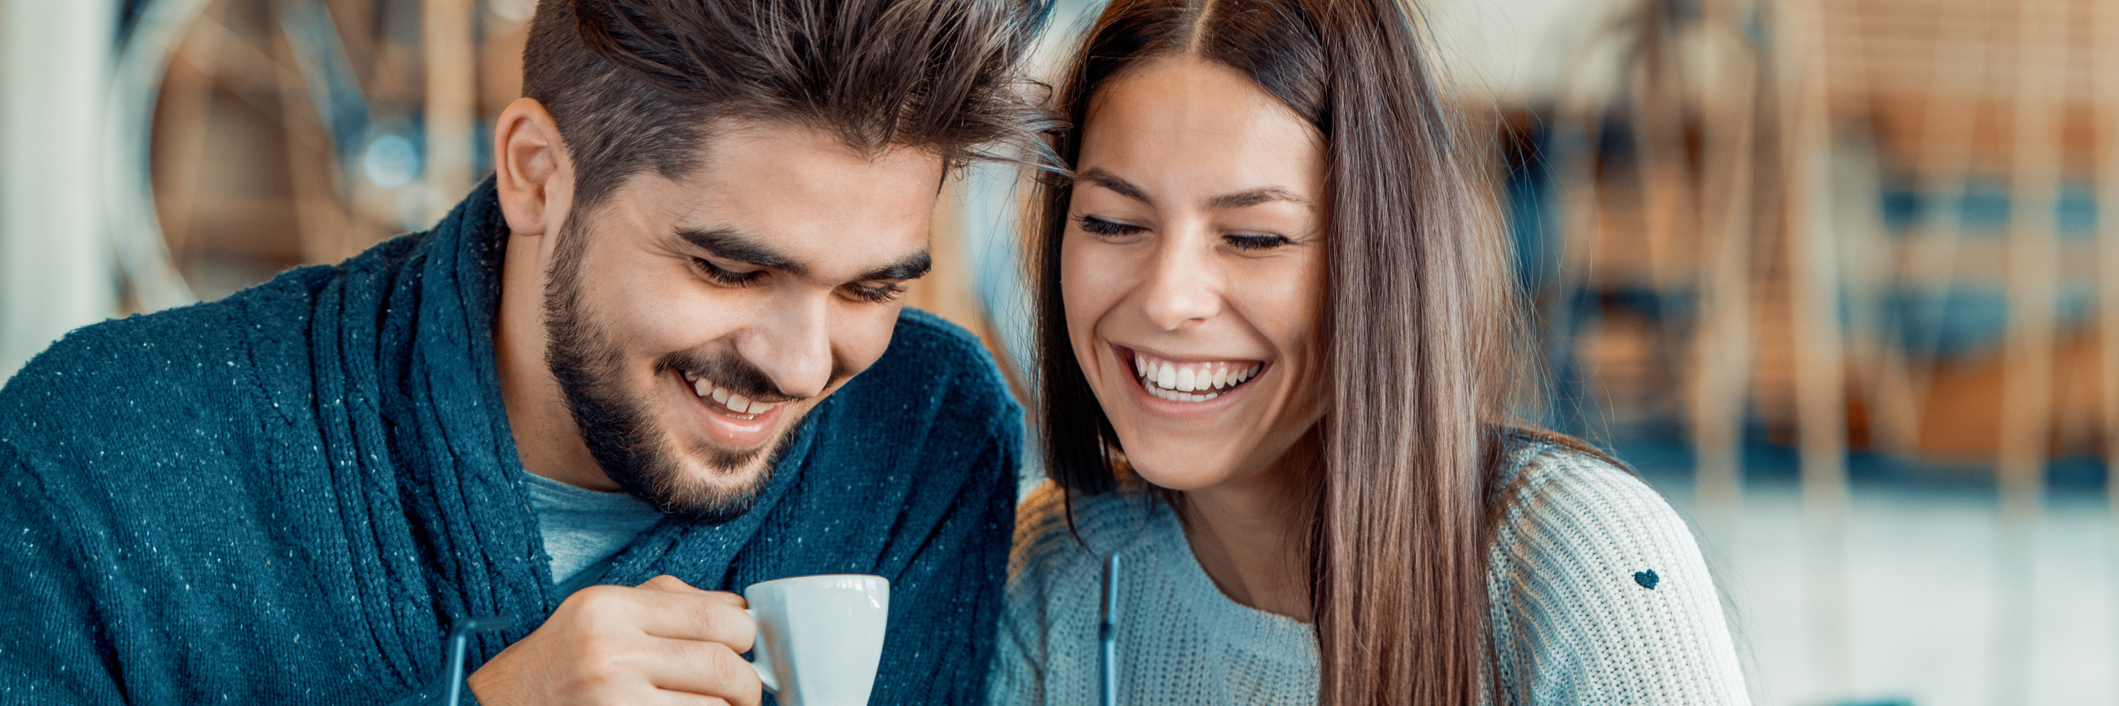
point(1419, 332)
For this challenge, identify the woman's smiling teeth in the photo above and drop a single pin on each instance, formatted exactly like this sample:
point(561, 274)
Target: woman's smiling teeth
point(729, 403)
point(1191, 382)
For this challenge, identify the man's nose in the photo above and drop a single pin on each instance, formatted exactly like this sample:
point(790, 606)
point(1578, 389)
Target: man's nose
point(1183, 286)
point(792, 345)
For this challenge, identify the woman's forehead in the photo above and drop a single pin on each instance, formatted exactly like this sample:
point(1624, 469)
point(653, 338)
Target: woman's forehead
point(1203, 129)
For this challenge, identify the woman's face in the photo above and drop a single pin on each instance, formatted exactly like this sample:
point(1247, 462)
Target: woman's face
point(1193, 267)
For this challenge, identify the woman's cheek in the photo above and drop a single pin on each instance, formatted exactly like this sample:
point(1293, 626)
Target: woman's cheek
point(1285, 301)
point(1091, 280)
point(1283, 298)
point(1082, 295)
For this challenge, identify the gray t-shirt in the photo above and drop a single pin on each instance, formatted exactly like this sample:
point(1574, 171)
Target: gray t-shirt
point(582, 526)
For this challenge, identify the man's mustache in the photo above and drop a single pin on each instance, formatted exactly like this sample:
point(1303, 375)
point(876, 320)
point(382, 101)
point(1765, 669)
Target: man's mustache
point(733, 373)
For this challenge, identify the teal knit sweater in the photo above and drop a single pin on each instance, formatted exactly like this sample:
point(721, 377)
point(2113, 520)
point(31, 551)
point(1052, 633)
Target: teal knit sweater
point(283, 497)
point(1597, 595)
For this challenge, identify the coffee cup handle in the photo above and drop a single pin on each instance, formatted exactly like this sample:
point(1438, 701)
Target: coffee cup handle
point(762, 664)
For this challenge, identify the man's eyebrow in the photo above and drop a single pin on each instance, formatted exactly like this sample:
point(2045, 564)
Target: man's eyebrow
point(914, 266)
point(730, 245)
point(1253, 197)
point(1099, 177)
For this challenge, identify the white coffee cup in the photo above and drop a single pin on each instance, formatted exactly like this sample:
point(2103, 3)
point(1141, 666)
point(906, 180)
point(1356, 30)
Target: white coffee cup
point(820, 638)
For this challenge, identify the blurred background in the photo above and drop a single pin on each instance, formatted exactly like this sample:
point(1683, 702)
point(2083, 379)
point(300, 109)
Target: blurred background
point(1834, 274)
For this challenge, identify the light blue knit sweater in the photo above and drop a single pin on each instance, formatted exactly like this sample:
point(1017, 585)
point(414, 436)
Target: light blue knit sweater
point(1598, 596)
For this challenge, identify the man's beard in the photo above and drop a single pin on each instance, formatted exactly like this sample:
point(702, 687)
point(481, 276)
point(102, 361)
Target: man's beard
point(620, 433)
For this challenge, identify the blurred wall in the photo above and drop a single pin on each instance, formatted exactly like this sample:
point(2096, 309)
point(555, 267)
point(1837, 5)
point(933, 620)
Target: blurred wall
point(1512, 51)
point(55, 272)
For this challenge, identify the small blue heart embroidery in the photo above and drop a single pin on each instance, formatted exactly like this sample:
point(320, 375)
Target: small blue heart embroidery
point(1647, 579)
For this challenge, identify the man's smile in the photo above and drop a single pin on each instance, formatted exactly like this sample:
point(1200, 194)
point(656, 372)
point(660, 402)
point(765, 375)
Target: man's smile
point(729, 403)
point(730, 417)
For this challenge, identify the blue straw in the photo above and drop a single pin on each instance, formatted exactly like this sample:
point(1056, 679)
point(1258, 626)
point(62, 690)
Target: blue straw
point(447, 689)
point(1107, 632)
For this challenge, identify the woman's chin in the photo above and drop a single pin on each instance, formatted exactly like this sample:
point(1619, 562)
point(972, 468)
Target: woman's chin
point(1179, 477)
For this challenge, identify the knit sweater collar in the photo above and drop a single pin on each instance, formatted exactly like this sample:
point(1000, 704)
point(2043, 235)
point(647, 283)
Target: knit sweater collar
point(1242, 627)
point(434, 507)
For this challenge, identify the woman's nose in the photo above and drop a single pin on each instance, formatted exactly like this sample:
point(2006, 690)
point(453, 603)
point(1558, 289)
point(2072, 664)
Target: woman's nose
point(1183, 286)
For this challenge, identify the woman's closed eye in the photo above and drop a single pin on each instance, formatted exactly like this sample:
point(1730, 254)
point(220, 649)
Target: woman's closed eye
point(1099, 226)
point(1256, 241)
point(1251, 242)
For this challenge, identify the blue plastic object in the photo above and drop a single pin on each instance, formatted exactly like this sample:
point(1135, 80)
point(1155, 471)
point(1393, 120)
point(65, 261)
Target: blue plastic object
point(447, 689)
point(1107, 633)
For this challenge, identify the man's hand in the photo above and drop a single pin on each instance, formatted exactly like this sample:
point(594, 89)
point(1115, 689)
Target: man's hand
point(661, 643)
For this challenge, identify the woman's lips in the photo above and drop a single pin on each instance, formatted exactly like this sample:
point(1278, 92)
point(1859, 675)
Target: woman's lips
point(1191, 381)
point(1186, 389)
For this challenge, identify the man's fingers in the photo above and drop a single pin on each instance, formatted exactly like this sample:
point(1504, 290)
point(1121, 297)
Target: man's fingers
point(707, 669)
point(669, 583)
point(700, 617)
point(661, 642)
point(672, 584)
point(705, 616)
point(678, 697)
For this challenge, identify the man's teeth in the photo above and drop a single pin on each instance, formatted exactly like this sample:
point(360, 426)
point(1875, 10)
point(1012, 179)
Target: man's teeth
point(733, 402)
point(1176, 382)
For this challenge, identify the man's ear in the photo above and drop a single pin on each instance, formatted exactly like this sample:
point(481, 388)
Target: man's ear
point(531, 169)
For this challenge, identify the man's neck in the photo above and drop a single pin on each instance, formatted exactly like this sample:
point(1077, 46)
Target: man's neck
point(1248, 534)
point(546, 438)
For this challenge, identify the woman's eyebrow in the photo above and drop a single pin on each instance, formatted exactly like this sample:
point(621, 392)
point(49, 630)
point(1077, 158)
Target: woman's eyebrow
point(1099, 177)
point(1240, 199)
point(1253, 197)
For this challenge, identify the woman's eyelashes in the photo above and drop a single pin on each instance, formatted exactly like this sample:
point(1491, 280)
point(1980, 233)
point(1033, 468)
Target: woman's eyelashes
point(1099, 226)
point(1256, 241)
point(1240, 241)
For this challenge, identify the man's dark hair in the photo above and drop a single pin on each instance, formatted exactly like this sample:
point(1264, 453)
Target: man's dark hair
point(635, 84)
